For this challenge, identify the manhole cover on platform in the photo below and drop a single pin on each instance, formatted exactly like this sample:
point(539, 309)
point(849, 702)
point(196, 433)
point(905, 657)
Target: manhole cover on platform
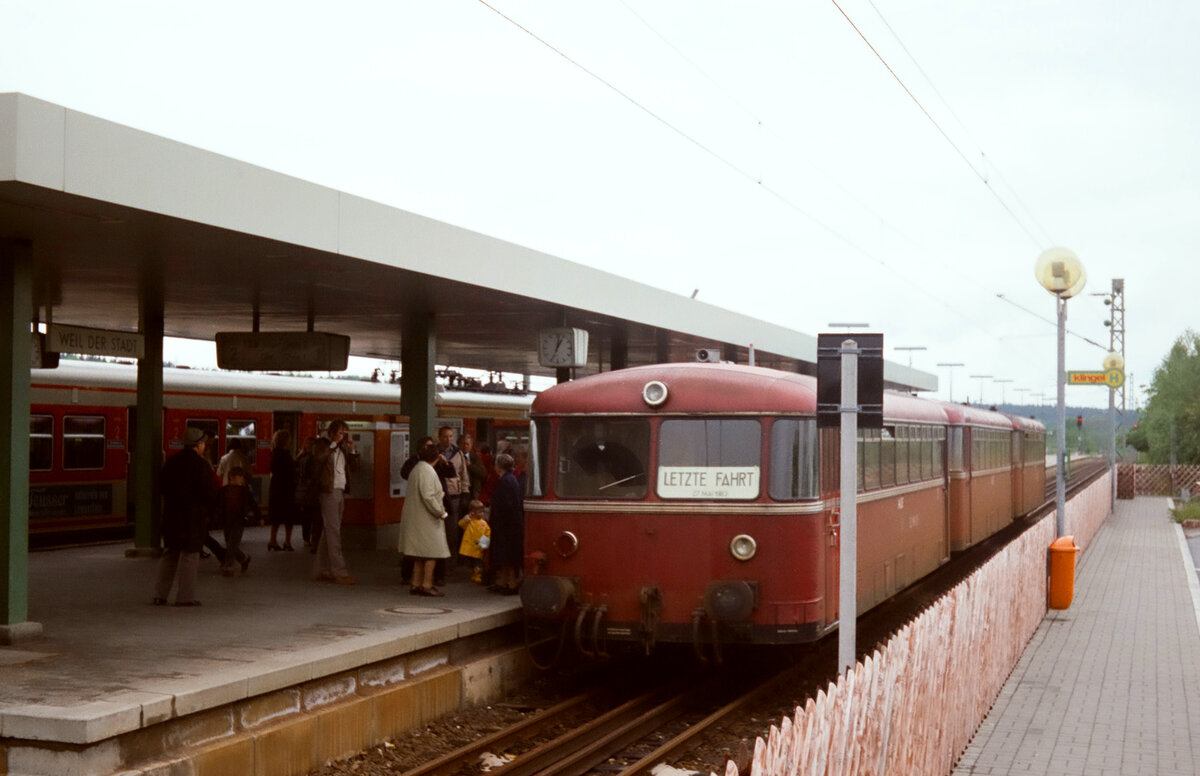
point(417, 611)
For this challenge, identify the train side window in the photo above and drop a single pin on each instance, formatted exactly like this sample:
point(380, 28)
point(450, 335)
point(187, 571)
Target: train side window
point(954, 440)
point(940, 452)
point(902, 455)
point(539, 440)
point(887, 458)
point(41, 443)
point(793, 472)
point(603, 458)
point(83, 442)
point(870, 458)
point(244, 430)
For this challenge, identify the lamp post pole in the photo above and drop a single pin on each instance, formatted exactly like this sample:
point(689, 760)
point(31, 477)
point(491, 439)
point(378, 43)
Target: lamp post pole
point(1002, 383)
point(1061, 273)
point(951, 370)
point(910, 349)
point(981, 378)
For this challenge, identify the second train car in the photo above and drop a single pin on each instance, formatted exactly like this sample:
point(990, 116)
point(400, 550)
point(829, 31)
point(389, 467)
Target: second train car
point(81, 437)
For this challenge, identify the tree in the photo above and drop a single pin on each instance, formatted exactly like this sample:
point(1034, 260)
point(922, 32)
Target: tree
point(1171, 421)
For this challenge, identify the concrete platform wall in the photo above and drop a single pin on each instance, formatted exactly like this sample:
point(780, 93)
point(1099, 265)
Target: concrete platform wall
point(913, 706)
point(291, 731)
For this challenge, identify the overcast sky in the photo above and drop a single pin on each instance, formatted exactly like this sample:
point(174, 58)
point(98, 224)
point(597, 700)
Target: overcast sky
point(760, 152)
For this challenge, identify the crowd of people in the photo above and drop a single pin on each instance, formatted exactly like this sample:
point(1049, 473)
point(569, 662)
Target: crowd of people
point(463, 508)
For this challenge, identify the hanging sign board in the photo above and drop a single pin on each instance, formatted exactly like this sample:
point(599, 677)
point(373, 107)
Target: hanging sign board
point(1112, 378)
point(94, 342)
point(285, 351)
point(870, 379)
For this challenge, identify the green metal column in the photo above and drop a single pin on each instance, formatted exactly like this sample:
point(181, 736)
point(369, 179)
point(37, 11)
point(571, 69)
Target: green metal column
point(147, 446)
point(418, 354)
point(16, 296)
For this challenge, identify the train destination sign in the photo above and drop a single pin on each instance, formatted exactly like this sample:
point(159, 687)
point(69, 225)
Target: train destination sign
point(1112, 378)
point(708, 482)
point(315, 351)
point(94, 342)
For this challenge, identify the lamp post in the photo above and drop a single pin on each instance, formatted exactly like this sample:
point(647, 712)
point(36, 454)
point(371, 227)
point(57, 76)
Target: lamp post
point(951, 367)
point(1061, 273)
point(981, 378)
point(1002, 383)
point(910, 349)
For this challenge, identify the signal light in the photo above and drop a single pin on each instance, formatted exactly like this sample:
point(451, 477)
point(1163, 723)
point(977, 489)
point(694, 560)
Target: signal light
point(1078, 421)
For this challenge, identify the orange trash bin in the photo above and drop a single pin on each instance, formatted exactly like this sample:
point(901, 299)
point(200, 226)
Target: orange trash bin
point(1062, 572)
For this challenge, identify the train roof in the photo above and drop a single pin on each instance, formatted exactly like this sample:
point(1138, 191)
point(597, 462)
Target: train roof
point(183, 380)
point(709, 388)
point(1026, 424)
point(965, 414)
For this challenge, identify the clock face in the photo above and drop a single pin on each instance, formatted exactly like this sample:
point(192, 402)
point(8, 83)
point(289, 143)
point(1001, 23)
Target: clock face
point(556, 347)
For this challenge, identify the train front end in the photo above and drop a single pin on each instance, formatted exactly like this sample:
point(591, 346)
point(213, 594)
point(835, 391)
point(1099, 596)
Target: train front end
point(677, 503)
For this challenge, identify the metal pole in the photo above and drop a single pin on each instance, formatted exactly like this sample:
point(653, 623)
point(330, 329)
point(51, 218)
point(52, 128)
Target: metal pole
point(1112, 444)
point(848, 558)
point(1060, 483)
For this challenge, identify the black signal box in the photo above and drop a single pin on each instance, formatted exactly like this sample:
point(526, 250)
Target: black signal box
point(870, 379)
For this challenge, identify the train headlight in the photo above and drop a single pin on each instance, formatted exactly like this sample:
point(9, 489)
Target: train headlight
point(567, 544)
point(743, 547)
point(654, 393)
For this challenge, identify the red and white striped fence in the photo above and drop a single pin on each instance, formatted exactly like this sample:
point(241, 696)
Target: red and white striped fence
point(912, 706)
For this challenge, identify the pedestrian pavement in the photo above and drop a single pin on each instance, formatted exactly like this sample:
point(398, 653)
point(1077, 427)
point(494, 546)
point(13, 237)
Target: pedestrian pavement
point(104, 643)
point(1110, 686)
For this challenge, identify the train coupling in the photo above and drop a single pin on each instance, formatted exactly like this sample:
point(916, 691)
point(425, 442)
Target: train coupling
point(547, 597)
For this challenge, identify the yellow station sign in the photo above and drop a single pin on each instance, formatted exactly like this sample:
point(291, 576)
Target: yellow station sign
point(1113, 378)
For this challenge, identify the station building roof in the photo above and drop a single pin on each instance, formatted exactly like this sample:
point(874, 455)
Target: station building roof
point(104, 204)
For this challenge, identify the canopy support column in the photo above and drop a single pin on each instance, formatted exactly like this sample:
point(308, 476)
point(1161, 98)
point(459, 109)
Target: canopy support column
point(418, 354)
point(148, 417)
point(16, 295)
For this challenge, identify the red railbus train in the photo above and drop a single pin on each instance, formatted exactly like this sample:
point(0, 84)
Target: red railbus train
point(81, 437)
point(699, 503)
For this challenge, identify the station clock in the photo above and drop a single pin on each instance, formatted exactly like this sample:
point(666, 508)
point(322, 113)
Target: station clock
point(563, 347)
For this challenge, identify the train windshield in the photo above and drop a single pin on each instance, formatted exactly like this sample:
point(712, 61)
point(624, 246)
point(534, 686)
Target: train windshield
point(710, 458)
point(603, 458)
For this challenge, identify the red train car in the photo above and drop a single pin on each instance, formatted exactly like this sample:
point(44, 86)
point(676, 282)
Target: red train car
point(80, 437)
point(698, 503)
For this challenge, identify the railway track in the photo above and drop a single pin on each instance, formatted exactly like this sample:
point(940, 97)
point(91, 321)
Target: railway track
point(628, 733)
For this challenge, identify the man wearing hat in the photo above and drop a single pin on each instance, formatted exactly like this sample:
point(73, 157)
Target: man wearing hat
point(189, 495)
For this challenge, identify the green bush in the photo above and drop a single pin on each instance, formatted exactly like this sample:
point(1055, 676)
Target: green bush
point(1187, 511)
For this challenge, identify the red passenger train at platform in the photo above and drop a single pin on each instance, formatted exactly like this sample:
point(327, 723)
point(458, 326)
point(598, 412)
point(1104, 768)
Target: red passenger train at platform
point(81, 439)
point(698, 503)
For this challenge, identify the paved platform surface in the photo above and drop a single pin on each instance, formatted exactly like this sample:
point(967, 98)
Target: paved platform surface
point(1112, 685)
point(104, 643)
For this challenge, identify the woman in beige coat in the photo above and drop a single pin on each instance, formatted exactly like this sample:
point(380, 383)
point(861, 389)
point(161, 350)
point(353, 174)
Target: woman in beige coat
point(422, 535)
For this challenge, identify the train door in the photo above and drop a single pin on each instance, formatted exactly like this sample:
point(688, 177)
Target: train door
point(290, 422)
point(1018, 473)
point(827, 446)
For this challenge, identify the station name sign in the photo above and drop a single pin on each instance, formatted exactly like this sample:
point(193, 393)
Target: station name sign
point(1113, 378)
point(94, 342)
point(285, 351)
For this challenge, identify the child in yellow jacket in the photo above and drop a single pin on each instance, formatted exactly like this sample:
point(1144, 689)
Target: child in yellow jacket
point(477, 535)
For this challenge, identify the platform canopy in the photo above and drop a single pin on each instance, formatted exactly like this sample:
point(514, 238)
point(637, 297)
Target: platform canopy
point(107, 208)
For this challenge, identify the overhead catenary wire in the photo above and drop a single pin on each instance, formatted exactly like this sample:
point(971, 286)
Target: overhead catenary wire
point(962, 124)
point(937, 126)
point(739, 170)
